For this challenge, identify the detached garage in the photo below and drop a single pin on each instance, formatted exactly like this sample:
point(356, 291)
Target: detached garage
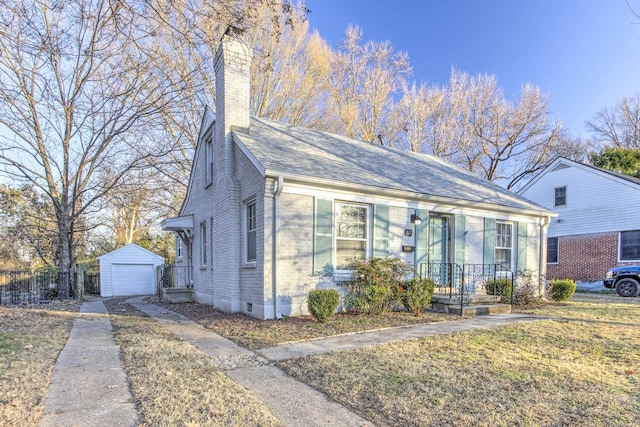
point(130, 270)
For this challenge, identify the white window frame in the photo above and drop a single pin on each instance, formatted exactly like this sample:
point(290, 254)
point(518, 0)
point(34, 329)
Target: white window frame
point(336, 237)
point(557, 261)
point(249, 232)
point(211, 241)
point(203, 244)
point(620, 259)
point(555, 196)
point(208, 159)
point(499, 247)
point(179, 248)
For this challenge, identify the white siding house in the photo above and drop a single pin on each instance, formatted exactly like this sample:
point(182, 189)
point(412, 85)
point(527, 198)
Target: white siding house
point(273, 211)
point(129, 270)
point(598, 225)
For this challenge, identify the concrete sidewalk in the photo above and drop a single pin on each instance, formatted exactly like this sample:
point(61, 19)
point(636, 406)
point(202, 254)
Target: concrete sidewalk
point(390, 335)
point(89, 386)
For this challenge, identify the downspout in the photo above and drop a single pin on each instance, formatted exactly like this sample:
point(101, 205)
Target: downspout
point(542, 267)
point(279, 185)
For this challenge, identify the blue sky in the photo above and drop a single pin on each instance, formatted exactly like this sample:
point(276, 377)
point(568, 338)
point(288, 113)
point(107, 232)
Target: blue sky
point(584, 53)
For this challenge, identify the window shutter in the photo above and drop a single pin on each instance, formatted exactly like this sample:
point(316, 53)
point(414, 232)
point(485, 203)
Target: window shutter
point(521, 262)
point(422, 239)
point(381, 231)
point(323, 238)
point(489, 241)
point(459, 239)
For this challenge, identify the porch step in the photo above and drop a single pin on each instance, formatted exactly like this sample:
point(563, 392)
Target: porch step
point(475, 305)
point(473, 299)
point(480, 309)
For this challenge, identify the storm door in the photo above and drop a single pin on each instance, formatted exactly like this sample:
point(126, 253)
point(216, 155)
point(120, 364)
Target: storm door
point(440, 250)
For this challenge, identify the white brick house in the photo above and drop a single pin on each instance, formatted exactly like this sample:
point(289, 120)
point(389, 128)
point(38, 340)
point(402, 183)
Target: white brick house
point(598, 226)
point(273, 211)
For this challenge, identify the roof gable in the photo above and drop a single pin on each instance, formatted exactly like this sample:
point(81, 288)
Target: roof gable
point(564, 163)
point(132, 248)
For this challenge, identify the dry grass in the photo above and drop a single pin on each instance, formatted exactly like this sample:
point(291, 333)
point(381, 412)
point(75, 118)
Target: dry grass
point(582, 369)
point(175, 384)
point(255, 334)
point(31, 339)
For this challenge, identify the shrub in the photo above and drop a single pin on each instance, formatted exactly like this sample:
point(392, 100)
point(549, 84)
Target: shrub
point(501, 287)
point(322, 303)
point(415, 294)
point(528, 288)
point(562, 290)
point(374, 285)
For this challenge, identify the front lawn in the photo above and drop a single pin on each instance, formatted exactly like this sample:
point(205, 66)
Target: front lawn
point(31, 339)
point(580, 369)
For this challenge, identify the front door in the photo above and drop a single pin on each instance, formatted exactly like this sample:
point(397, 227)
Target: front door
point(439, 250)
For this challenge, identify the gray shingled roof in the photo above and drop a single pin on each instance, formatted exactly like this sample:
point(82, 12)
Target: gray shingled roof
point(309, 154)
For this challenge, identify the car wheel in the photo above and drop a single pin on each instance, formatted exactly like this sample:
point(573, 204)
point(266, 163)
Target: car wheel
point(627, 287)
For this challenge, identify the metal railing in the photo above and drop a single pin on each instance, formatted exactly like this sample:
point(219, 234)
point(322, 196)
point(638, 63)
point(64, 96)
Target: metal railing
point(459, 282)
point(175, 276)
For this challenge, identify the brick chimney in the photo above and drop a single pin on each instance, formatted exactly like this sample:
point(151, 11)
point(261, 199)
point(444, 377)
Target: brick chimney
point(233, 81)
point(232, 64)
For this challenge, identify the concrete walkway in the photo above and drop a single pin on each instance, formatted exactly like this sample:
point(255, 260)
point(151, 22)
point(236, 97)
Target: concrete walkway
point(390, 335)
point(90, 388)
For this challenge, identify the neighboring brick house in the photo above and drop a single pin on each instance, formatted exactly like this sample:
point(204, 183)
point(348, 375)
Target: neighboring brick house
point(273, 211)
point(598, 223)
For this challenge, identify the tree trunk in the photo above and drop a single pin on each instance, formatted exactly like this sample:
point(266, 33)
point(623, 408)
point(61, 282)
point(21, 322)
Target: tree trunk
point(65, 256)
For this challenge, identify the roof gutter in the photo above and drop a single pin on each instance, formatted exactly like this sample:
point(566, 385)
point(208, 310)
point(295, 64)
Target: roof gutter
point(411, 195)
point(542, 262)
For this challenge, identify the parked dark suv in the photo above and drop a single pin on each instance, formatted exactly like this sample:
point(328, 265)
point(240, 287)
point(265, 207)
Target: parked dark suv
point(625, 280)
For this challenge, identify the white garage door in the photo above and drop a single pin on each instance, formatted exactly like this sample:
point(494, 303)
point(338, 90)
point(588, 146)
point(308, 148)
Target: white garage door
point(132, 279)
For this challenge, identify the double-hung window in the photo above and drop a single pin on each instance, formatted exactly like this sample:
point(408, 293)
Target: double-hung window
point(203, 244)
point(559, 196)
point(552, 250)
point(630, 245)
point(352, 233)
point(250, 230)
point(504, 244)
point(208, 159)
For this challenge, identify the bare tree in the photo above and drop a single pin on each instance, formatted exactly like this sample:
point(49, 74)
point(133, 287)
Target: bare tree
point(431, 120)
point(471, 124)
point(131, 209)
point(288, 71)
point(362, 79)
point(77, 96)
point(27, 228)
point(618, 126)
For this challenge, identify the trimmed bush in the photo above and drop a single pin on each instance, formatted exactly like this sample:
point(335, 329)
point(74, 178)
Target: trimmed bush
point(322, 303)
point(562, 290)
point(415, 294)
point(374, 285)
point(501, 287)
